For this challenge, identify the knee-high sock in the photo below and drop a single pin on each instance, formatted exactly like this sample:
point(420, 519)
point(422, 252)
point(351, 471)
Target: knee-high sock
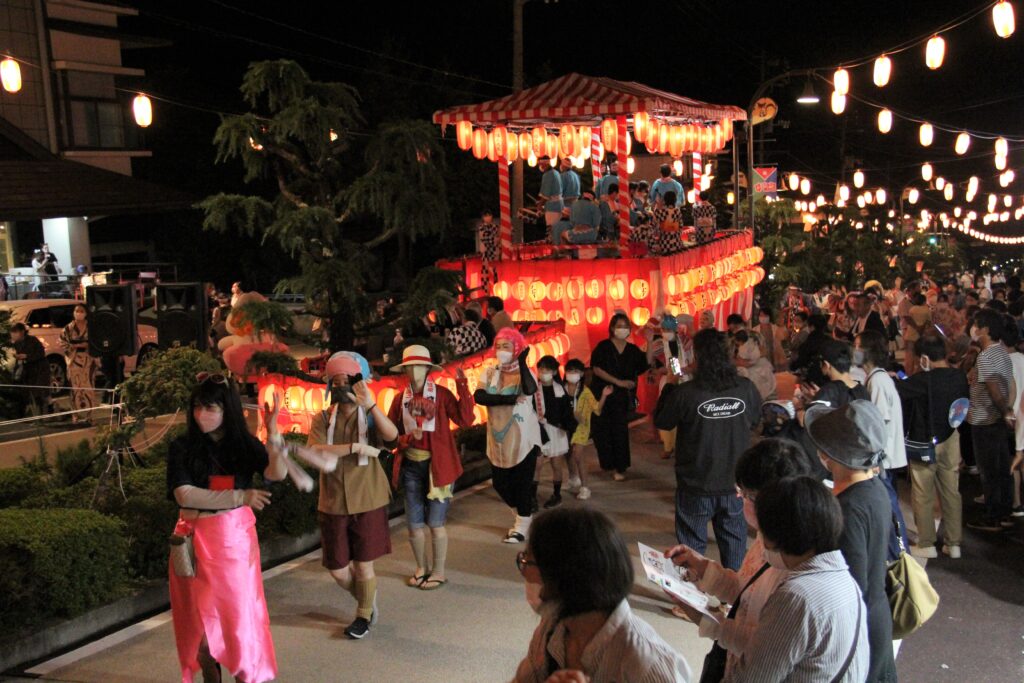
point(365, 591)
point(440, 539)
point(418, 541)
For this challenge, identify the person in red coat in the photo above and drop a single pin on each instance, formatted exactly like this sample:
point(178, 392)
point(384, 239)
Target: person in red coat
point(430, 462)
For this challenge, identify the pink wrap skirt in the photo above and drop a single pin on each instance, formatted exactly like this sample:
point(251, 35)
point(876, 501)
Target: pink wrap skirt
point(224, 601)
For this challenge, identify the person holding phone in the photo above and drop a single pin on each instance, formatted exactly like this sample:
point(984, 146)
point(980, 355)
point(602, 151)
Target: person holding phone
point(670, 358)
point(354, 497)
point(220, 613)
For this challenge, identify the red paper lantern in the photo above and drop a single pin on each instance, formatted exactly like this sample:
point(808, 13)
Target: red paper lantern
point(500, 289)
point(651, 141)
point(567, 140)
point(480, 143)
point(595, 288)
point(555, 291)
point(609, 134)
point(675, 141)
point(616, 289)
point(574, 289)
point(641, 119)
point(525, 145)
point(540, 140)
point(492, 153)
point(464, 135)
point(639, 288)
point(640, 315)
point(595, 315)
point(499, 140)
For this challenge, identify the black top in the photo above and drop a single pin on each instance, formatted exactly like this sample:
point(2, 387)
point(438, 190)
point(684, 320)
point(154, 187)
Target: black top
point(808, 358)
point(487, 327)
point(194, 466)
point(867, 526)
point(838, 394)
point(628, 365)
point(938, 387)
point(714, 430)
point(558, 411)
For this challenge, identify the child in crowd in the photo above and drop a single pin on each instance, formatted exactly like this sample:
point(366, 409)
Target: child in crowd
point(584, 406)
point(556, 423)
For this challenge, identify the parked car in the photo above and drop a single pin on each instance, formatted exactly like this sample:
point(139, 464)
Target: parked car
point(46, 318)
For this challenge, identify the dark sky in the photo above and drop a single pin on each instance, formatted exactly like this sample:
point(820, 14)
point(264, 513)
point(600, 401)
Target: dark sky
point(709, 50)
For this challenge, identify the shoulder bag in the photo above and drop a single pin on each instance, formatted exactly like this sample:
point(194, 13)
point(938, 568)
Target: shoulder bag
point(714, 661)
point(923, 451)
point(912, 598)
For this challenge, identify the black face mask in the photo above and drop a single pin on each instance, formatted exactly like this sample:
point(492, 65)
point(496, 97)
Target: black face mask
point(342, 394)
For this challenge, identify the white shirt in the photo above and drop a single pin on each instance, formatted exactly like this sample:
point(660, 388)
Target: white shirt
point(1017, 358)
point(885, 397)
point(625, 649)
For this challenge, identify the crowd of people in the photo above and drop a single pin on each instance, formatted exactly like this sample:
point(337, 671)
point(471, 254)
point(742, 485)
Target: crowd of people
point(574, 214)
point(815, 486)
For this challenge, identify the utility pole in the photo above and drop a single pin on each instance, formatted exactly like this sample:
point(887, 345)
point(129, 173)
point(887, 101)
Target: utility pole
point(517, 86)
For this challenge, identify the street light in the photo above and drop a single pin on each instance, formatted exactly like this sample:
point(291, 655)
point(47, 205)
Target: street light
point(808, 96)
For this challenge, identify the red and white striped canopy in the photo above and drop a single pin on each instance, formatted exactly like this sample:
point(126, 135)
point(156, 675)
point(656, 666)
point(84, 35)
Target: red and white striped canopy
point(584, 100)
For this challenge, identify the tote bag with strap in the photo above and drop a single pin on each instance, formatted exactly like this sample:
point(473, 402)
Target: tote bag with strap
point(912, 598)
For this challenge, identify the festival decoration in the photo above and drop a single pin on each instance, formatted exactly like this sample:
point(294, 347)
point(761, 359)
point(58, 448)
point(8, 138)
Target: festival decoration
point(882, 71)
point(10, 75)
point(142, 108)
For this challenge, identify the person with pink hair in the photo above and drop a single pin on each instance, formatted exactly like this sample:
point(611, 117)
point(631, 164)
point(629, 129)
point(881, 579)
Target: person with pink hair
point(508, 391)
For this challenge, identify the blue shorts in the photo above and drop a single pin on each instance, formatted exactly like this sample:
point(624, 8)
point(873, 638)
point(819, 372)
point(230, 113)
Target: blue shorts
point(419, 510)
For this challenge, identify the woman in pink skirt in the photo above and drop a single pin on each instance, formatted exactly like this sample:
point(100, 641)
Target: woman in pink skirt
point(220, 614)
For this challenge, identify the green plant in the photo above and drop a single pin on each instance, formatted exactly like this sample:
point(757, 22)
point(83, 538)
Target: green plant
point(268, 317)
point(57, 563)
point(75, 463)
point(432, 289)
point(19, 483)
point(272, 362)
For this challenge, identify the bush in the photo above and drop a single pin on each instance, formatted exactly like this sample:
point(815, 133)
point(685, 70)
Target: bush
point(164, 384)
point(57, 563)
point(76, 463)
point(272, 362)
point(19, 483)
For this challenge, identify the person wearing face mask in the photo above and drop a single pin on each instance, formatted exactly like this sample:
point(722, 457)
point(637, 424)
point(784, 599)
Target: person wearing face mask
point(219, 612)
point(834, 363)
point(871, 352)
point(584, 407)
point(772, 337)
point(354, 496)
point(850, 442)
point(674, 343)
point(558, 422)
point(74, 338)
point(812, 627)
point(747, 588)
point(616, 362)
point(430, 461)
point(509, 393)
point(587, 631)
point(926, 399)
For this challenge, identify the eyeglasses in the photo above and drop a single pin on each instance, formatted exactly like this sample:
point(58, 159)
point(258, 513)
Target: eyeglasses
point(214, 377)
point(522, 563)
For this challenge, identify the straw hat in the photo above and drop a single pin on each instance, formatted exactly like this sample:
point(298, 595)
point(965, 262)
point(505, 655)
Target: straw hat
point(415, 354)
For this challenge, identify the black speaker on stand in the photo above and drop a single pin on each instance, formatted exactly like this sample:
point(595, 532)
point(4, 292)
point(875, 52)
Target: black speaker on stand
point(112, 320)
point(182, 315)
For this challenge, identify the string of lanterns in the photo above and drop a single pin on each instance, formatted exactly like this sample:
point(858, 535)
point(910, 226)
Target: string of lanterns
point(10, 79)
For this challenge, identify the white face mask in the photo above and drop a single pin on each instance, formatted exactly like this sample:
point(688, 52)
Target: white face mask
point(750, 514)
point(418, 375)
point(975, 335)
point(774, 558)
point(533, 595)
point(504, 357)
point(209, 420)
point(668, 336)
point(547, 377)
point(925, 363)
point(621, 332)
point(573, 377)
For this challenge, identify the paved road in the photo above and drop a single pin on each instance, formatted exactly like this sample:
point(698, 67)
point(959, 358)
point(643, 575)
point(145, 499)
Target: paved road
point(477, 627)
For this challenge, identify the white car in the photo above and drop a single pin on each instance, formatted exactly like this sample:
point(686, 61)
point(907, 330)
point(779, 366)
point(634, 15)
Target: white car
point(46, 318)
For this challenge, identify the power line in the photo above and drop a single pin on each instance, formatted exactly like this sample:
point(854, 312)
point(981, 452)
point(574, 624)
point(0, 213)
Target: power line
point(358, 48)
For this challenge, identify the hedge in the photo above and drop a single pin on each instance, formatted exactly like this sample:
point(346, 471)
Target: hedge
point(57, 562)
point(19, 483)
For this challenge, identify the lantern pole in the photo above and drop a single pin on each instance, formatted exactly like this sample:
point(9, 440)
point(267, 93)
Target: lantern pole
point(517, 86)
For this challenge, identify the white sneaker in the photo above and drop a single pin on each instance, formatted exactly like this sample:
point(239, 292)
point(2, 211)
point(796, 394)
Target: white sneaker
point(584, 493)
point(928, 553)
point(980, 499)
point(952, 550)
point(574, 484)
point(973, 469)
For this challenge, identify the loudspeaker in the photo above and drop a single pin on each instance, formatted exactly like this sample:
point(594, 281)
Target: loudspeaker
point(182, 315)
point(112, 320)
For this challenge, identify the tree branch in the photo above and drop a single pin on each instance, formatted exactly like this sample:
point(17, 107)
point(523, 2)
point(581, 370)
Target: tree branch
point(289, 156)
point(381, 238)
point(282, 185)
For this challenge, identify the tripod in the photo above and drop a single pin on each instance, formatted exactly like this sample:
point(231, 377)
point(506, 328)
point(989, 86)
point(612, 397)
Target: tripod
point(115, 456)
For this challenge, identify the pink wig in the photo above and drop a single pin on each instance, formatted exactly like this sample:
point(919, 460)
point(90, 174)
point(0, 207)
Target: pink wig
point(511, 334)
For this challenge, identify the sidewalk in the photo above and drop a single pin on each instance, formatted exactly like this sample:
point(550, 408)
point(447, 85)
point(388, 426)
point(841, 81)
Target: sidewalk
point(476, 628)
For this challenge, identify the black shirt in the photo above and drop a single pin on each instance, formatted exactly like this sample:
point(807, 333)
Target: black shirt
point(628, 365)
point(867, 526)
point(837, 394)
point(487, 327)
point(714, 430)
point(193, 466)
point(558, 411)
point(938, 387)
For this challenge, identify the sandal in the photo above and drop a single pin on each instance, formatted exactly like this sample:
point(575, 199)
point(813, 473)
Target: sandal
point(416, 581)
point(437, 583)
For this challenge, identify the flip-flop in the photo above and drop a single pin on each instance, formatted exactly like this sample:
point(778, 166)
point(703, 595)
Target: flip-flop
point(425, 586)
point(417, 581)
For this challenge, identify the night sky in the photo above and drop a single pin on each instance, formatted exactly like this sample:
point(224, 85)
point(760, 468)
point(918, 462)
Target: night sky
point(440, 54)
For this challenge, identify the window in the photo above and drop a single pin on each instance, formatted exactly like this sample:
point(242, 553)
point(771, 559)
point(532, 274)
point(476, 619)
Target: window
point(40, 317)
point(53, 316)
point(96, 123)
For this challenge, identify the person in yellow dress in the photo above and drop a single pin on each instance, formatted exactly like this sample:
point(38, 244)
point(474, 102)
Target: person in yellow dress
point(584, 405)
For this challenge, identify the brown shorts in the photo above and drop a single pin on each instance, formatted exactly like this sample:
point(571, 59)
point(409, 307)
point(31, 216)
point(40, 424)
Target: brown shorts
point(362, 537)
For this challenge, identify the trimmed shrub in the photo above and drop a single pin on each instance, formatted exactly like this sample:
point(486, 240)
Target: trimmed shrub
point(76, 463)
point(19, 483)
point(57, 563)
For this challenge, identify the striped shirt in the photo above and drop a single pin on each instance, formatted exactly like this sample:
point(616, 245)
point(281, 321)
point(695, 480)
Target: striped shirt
point(993, 364)
point(625, 649)
point(807, 628)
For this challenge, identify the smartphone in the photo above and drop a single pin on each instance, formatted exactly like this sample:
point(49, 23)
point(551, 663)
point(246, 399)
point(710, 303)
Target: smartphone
point(901, 374)
point(673, 364)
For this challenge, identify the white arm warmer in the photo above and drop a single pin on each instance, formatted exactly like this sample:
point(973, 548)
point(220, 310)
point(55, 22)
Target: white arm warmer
point(204, 499)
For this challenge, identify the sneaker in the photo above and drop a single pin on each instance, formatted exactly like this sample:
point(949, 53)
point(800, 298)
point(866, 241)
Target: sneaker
point(952, 550)
point(514, 536)
point(584, 493)
point(619, 476)
point(1018, 511)
point(554, 500)
point(986, 525)
point(358, 629)
point(375, 614)
point(980, 499)
point(973, 469)
point(1007, 523)
point(574, 484)
point(924, 552)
